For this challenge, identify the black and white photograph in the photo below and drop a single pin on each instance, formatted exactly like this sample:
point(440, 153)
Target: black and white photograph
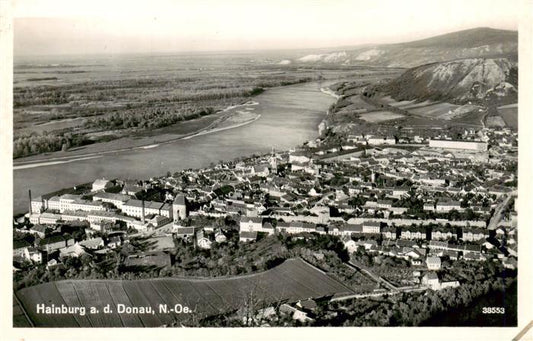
point(230, 165)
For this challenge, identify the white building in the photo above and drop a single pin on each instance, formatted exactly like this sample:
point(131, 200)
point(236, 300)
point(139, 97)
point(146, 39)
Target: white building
point(101, 184)
point(447, 206)
point(134, 208)
point(431, 280)
point(371, 227)
point(116, 199)
point(255, 224)
point(433, 263)
point(297, 157)
point(72, 202)
point(376, 141)
point(478, 146)
point(202, 241)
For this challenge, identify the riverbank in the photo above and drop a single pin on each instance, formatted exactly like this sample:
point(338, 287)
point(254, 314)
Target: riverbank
point(330, 92)
point(283, 117)
point(228, 118)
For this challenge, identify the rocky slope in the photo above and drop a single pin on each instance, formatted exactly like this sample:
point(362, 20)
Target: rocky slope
point(458, 81)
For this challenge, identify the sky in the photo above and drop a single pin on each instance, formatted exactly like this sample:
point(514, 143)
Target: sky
point(111, 26)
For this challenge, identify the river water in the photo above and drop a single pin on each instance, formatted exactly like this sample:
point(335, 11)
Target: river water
point(289, 116)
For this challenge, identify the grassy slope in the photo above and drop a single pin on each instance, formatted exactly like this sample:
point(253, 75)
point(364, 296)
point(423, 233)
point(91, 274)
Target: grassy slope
point(290, 281)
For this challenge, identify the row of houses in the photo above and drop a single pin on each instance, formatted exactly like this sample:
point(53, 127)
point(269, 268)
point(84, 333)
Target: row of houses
point(258, 224)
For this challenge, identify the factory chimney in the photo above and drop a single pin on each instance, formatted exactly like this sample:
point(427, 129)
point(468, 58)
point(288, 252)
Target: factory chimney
point(143, 211)
point(29, 194)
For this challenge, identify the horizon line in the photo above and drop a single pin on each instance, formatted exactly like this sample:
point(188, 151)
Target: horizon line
point(241, 50)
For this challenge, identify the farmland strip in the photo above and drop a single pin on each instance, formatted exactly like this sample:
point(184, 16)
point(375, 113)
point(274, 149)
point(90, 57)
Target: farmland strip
point(114, 304)
point(119, 295)
point(138, 299)
point(67, 291)
point(48, 295)
point(21, 307)
point(86, 295)
point(181, 286)
point(110, 319)
point(290, 281)
point(153, 298)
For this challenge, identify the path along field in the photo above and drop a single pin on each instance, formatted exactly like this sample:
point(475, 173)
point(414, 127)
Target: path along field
point(289, 282)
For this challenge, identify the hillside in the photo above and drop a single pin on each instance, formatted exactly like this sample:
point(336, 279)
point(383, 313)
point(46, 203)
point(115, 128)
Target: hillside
point(476, 37)
point(458, 81)
point(291, 281)
point(473, 43)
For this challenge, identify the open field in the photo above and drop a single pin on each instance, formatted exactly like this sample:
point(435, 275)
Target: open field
point(392, 102)
point(467, 114)
point(461, 111)
point(509, 113)
point(495, 121)
point(289, 282)
point(54, 125)
point(472, 119)
point(433, 110)
point(412, 104)
point(379, 116)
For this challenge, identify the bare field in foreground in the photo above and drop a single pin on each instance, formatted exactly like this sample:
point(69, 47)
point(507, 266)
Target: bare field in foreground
point(291, 281)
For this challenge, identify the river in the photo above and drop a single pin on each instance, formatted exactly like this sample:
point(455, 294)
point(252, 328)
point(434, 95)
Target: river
point(289, 116)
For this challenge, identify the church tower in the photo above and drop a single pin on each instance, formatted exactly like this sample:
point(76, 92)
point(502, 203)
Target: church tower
point(273, 161)
point(179, 207)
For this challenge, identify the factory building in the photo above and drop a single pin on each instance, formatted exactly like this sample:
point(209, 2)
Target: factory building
point(457, 144)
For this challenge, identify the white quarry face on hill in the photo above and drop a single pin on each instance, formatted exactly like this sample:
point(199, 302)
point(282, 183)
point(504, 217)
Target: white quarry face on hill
point(334, 57)
point(466, 78)
point(369, 54)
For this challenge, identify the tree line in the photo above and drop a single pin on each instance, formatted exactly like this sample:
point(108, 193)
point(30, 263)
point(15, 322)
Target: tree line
point(47, 142)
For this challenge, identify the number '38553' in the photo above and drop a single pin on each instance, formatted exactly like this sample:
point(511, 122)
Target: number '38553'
point(493, 310)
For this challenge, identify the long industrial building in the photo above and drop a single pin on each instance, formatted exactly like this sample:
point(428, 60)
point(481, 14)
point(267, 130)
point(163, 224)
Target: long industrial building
point(459, 144)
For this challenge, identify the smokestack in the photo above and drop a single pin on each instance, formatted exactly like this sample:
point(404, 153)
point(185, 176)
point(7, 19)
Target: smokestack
point(143, 211)
point(29, 194)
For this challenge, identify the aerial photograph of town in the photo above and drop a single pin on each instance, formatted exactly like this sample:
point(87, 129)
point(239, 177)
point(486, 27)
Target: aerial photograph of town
point(200, 173)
